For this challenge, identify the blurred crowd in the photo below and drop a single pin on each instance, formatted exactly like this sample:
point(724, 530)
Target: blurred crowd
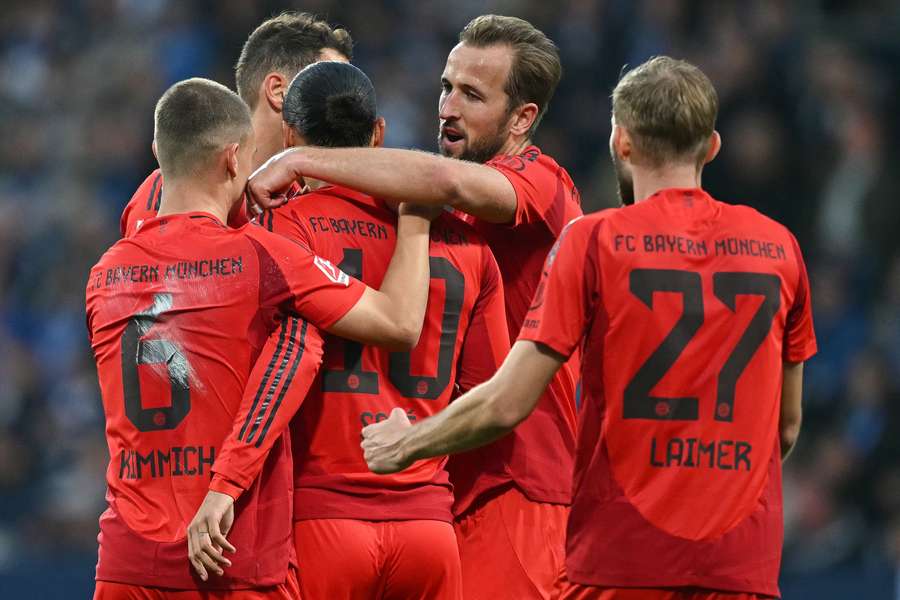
point(809, 122)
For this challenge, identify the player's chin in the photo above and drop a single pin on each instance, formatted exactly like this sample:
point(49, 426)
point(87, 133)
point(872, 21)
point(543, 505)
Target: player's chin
point(454, 149)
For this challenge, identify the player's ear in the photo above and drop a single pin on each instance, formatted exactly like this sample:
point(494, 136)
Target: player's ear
point(715, 144)
point(274, 87)
point(378, 133)
point(153, 149)
point(287, 135)
point(621, 142)
point(231, 159)
point(523, 118)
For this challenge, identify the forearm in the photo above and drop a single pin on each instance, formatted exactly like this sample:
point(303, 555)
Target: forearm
point(473, 420)
point(791, 407)
point(401, 175)
point(407, 279)
point(788, 441)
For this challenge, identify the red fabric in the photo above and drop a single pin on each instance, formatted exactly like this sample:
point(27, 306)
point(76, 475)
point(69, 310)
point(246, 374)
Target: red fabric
point(511, 547)
point(538, 456)
point(358, 233)
point(347, 559)
point(584, 592)
point(289, 590)
point(658, 421)
point(177, 315)
point(144, 205)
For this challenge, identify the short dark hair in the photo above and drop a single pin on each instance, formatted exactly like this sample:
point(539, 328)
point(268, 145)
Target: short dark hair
point(536, 68)
point(194, 119)
point(331, 104)
point(285, 43)
point(669, 107)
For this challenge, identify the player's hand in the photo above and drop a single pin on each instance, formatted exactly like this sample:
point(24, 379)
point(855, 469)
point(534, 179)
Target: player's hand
point(426, 212)
point(268, 185)
point(382, 443)
point(206, 534)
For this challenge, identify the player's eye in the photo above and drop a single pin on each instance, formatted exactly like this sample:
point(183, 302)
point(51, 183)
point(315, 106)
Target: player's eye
point(445, 85)
point(472, 95)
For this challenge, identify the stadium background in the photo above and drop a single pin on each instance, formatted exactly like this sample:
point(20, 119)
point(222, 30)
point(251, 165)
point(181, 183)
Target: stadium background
point(809, 105)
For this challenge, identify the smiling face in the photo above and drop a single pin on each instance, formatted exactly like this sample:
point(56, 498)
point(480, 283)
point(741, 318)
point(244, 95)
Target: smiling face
point(474, 106)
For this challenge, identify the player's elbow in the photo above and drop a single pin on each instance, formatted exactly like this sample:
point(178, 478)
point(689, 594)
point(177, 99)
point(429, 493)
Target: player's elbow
point(790, 432)
point(406, 337)
point(401, 333)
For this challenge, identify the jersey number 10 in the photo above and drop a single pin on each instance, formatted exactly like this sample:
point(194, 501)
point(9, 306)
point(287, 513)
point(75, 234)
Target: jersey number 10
point(354, 379)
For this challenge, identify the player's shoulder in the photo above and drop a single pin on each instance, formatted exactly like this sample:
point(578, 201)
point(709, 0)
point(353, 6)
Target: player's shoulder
point(592, 223)
point(748, 218)
point(530, 159)
point(153, 182)
point(143, 203)
point(122, 252)
point(329, 200)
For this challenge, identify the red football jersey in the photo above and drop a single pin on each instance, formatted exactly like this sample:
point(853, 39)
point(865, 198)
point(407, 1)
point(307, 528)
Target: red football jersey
point(464, 339)
point(144, 205)
point(199, 330)
point(685, 308)
point(538, 455)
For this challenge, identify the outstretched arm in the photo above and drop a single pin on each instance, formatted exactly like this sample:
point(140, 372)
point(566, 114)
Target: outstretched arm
point(484, 414)
point(403, 175)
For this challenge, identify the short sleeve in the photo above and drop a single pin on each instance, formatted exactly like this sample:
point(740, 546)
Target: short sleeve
point(563, 301)
point(542, 188)
point(297, 281)
point(799, 335)
point(487, 339)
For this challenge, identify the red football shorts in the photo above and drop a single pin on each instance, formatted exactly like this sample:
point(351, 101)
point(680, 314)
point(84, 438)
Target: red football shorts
point(575, 591)
point(108, 590)
point(347, 559)
point(511, 547)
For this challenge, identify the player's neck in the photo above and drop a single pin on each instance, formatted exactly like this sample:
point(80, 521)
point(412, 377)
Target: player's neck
point(182, 195)
point(268, 136)
point(514, 146)
point(649, 181)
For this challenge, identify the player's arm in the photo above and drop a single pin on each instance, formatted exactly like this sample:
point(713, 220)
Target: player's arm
point(791, 409)
point(476, 418)
point(392, 316)
point(279, 381)
point(403, 175)
point(799, 346)
point(554, 327)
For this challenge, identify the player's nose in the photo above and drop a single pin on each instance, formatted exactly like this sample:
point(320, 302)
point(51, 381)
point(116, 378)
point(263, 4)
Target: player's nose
point(448, 107)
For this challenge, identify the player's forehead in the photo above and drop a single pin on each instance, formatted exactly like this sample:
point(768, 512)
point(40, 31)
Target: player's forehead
point(486, 68)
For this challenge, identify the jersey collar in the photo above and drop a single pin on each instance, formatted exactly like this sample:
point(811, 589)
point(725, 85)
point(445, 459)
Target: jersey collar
point(688, 201)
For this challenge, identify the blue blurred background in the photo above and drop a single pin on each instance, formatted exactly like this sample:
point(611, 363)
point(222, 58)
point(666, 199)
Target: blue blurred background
point(809, 110)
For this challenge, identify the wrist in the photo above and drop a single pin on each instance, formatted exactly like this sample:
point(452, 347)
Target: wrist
point(224, 486)
point(414, 224)
point(408, 449)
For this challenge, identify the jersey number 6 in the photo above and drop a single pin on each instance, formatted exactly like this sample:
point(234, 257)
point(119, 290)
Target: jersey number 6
point(135, 352)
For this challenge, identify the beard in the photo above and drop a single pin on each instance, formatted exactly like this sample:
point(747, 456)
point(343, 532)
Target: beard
point(624, 182)
point(479, 150)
